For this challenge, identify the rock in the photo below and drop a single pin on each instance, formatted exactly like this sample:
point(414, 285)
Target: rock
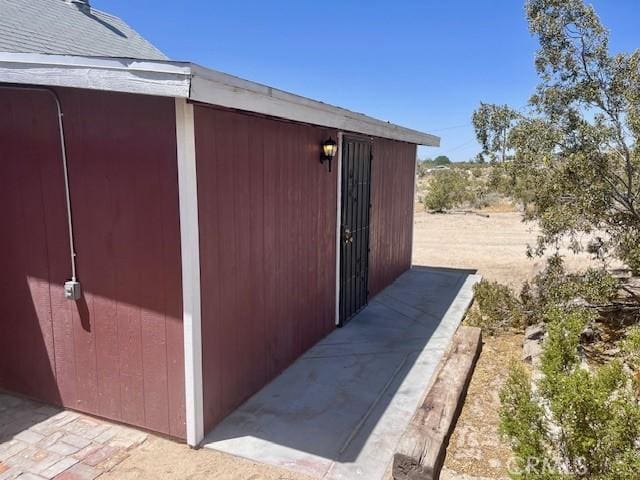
point(622, 274)
point(534, 332)
point(594, 246)
point(578, 302)
point(588, 335)
point(612, 352)
point(531, 351)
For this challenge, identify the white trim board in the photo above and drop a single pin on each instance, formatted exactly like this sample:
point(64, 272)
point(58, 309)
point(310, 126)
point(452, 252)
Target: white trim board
point(190, 250)
point(193, 82)
point(168, 79)
point(414, 204)
point(217, 88)
point(338, 222)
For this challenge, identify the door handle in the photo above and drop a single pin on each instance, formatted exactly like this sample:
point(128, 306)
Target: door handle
point(347, 236)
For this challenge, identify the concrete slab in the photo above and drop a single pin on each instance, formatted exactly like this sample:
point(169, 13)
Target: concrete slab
point(340, 409)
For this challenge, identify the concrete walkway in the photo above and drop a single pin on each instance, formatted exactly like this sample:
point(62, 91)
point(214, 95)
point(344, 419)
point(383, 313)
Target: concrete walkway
point(40, 441)
point(338, 412)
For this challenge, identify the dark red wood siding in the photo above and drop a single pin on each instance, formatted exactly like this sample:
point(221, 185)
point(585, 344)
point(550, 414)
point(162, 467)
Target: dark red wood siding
point(117, 353)
point(392, 191)
point(267, 210)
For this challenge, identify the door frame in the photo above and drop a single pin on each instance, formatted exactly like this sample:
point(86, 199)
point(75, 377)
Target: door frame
point(339, 154)
point(338, 224)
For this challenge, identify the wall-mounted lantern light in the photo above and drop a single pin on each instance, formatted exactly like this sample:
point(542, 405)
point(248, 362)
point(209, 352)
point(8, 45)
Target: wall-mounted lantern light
point(329, 149)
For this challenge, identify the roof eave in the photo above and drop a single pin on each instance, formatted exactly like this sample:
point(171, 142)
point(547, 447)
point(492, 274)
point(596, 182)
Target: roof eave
point(126, 75)
point(216, 88)
point(186, 80)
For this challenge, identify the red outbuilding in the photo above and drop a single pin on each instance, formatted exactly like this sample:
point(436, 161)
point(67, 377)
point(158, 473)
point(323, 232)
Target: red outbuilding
point(174, 237)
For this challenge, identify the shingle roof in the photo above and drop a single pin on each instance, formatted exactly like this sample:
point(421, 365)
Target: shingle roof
point(68, 28)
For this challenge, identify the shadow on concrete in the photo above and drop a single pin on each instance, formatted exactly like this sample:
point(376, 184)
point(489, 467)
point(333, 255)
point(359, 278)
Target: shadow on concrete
point(339, 410)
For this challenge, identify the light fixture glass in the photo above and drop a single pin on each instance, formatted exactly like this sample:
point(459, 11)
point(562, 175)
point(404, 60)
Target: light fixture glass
point(329, 148)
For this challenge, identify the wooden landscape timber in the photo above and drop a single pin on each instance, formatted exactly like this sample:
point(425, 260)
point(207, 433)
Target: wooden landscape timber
point(421, 450)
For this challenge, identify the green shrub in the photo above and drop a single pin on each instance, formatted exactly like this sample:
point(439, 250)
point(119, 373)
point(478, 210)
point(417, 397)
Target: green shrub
point(497, 308)
point(483, 199)
point(630, 347)
point(629, 251)
point(447, 190)
point(560, 354)
point(585, 424)
point(555, 287)
point(522, 419)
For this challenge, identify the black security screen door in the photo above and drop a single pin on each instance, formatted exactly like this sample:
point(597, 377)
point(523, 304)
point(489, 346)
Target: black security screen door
point(354, 231)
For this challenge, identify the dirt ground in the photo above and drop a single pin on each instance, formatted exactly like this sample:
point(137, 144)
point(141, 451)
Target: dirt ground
point(496, 246)
point(159, 458)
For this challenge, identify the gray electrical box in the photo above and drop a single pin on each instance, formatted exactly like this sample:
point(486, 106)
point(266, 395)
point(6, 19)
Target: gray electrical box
point(72, 290)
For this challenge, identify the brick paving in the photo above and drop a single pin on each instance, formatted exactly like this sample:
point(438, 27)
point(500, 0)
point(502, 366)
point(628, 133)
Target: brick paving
point(41, 442)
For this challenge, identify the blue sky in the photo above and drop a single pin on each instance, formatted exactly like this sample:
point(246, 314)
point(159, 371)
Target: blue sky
point(423, 64)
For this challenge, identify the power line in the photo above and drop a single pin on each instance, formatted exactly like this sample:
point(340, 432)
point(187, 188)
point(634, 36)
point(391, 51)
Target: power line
point(462, 145)
point(451, 128)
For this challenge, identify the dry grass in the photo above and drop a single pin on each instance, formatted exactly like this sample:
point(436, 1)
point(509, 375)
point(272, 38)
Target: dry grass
point(475, 448)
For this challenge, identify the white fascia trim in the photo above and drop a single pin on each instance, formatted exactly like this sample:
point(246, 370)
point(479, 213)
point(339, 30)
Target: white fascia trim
point(187, 80)
point(216, 88)
point(190, 250)
point(167, 79)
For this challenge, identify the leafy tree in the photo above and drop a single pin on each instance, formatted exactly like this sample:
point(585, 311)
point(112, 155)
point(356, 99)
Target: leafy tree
point(577, 146)
point(441, 160)
point(492, 124)
point(447, 189)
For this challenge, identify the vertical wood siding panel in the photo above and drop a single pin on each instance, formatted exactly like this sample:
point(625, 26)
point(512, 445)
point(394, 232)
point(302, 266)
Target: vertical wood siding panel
point(25, 307)
point(97, 314)
point(210, 221)
point(57, 245)
point(299, 234)
point(282, 339)
point(150, 215)
point(289, 237)
point(172, 281)
point(256, 253)
point(225, 326)
point(271, 246)
point(309, 271)
point(392, 215)
point(118, 351)
point(247, 326)
point(314, 267)
point(131, 143)
point(276, 244)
